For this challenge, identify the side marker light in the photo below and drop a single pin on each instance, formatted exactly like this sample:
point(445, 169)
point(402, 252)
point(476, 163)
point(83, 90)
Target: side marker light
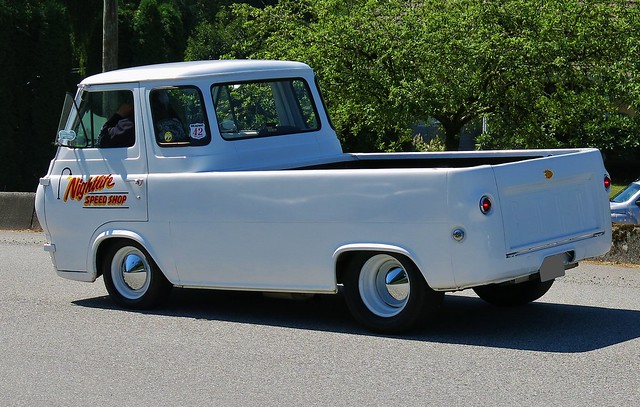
point(485, 204)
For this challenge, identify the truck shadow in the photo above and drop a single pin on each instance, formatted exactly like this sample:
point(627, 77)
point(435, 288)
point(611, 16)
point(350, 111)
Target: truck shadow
point(540, 326)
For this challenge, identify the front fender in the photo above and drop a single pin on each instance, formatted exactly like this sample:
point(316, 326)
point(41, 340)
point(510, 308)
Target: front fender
point(103, 235)
point(99, 238)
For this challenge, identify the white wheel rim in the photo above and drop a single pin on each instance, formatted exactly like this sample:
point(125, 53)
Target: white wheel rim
point(384, 285)
point(130, 272)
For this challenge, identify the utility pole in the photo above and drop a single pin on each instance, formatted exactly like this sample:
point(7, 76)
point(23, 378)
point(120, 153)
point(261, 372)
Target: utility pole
point(110, 35)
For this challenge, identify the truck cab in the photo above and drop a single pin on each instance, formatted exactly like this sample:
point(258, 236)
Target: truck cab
point(265, 117)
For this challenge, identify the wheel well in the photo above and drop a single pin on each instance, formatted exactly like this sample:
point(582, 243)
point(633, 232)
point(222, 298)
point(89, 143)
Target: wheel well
point(342, 263)
point(103, 248)
point(344, 259)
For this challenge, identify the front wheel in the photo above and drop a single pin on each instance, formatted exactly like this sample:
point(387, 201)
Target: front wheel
point(506, 295)
point(132, 278)
point(387, 293)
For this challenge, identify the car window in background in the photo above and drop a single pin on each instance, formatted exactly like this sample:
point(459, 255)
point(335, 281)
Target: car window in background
point(626, 194)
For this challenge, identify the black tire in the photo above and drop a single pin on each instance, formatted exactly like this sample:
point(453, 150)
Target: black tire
point(387, 293)
point(143, 286)
point(506, 295)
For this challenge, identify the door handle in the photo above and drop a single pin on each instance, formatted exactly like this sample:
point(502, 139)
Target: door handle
point(137, 181)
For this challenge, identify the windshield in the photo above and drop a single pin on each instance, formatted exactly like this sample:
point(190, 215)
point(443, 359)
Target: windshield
point(66, 111)
point(626, 194)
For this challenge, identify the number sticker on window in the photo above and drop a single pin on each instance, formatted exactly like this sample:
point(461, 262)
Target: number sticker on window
point(197, 131)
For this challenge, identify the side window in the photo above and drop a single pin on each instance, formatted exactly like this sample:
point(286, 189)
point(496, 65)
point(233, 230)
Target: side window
point(104, 120)
point(179, 118)
point(261, 109)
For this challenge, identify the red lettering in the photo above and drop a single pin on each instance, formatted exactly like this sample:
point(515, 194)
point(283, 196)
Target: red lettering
point(116, 200)
point(77, 189)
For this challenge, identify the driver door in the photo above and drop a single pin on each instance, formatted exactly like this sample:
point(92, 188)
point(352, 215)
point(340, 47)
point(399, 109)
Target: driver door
point(89, 186)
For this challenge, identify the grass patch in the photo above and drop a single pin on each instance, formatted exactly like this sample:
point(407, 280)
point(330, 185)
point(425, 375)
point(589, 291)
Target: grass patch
point(615, 188)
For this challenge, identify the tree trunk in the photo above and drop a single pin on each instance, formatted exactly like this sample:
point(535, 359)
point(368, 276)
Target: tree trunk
point(110, 35)
point(451, 135)
point(451, 141)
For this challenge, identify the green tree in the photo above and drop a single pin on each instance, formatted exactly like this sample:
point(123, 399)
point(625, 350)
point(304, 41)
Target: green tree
point(229, 35)
point(85, 29)
point(159, 32)
point(583, 81)
point(545, 73)
point(35, 63)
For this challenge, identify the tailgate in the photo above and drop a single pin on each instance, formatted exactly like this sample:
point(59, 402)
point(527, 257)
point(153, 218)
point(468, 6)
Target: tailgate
point(552, 201)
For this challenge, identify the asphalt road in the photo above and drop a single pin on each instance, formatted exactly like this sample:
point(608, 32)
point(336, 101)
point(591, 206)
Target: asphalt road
point(63, 343)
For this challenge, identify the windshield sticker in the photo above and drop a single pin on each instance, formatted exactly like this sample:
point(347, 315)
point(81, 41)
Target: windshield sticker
point(197, 131)
point(95, 192)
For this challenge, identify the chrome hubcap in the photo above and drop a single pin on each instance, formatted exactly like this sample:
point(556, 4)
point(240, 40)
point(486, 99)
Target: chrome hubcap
point(131, 272)
point(397, 284)
point(384, 285)
point(134, 272)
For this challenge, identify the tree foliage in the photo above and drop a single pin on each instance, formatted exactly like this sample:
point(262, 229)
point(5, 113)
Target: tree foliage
point(545, 74)
point(582, 79)
point(158, 31)
point(33, 84)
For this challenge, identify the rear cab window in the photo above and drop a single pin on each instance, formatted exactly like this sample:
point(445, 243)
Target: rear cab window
point(263, 109)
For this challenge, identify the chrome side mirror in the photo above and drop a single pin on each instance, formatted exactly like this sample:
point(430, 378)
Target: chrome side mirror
point(66, 137)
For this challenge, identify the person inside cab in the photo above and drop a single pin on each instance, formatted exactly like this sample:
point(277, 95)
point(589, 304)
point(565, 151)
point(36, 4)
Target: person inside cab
point(119, 130)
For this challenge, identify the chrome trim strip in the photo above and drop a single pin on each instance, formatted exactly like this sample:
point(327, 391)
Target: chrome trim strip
point(554, 244)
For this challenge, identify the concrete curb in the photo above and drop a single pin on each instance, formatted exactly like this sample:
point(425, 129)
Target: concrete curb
point(17, 211)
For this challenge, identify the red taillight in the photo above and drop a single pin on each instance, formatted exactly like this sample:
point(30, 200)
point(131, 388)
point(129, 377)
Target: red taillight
point(485, 204)
point(607, 182)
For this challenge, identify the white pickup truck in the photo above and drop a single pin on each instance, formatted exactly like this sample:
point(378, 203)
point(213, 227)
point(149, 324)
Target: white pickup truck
point(228, 175)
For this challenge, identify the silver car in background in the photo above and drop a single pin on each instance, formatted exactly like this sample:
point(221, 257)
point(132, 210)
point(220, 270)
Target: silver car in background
point(625, 205)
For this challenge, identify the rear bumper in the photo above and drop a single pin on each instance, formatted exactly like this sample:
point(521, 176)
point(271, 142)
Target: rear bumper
point(530, 261)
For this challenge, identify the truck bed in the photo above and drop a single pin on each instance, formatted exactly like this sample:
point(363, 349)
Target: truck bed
point(433, 160)
point(363, 161)
point(547, 200)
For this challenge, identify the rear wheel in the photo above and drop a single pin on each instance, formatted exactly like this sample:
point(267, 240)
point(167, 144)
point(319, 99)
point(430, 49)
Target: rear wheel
point(513, 294)
point(132, 278)
point(387, 293)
